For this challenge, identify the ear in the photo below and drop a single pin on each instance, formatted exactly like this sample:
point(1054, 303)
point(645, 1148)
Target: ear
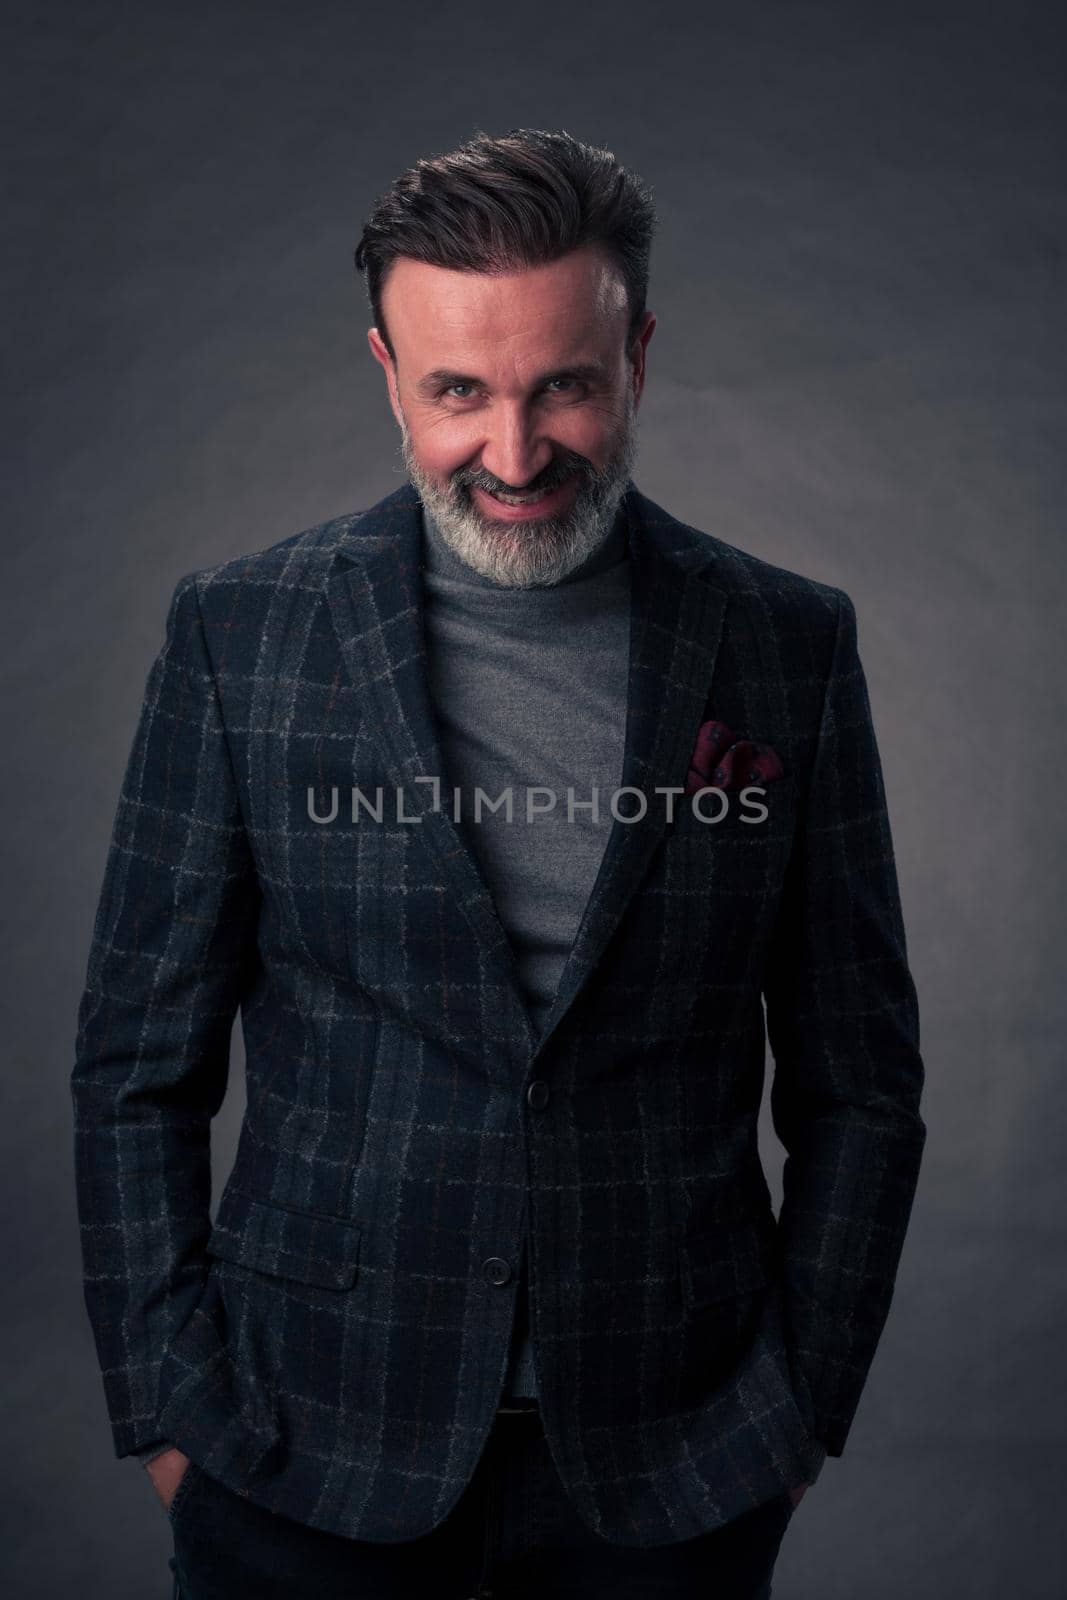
point(637, 353)
point(385, 360)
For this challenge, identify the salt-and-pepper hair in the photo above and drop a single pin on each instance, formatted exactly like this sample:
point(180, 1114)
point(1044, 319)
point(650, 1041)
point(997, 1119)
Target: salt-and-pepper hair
point(501, 204)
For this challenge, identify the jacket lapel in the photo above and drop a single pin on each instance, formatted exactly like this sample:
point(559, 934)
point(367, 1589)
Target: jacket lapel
point(676, 623)
point(375, 595)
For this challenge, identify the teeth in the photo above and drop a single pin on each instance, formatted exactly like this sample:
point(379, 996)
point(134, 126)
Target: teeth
point(519, 500)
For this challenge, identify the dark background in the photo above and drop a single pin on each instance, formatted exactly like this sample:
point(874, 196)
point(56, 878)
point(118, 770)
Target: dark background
point(857, 374)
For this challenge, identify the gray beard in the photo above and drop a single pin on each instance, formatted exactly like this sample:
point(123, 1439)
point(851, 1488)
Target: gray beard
point(521, 555)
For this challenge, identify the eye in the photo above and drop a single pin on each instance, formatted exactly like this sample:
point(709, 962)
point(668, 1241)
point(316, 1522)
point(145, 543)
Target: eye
point(454, 386)
point(551, 381)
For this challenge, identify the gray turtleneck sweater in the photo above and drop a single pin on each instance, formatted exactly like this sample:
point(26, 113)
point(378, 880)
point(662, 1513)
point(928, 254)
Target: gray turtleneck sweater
point(529, 691)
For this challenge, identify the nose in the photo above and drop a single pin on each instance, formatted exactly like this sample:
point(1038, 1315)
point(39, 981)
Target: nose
point(515, 451)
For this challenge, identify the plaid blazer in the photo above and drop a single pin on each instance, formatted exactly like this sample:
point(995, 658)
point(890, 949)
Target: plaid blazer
point(333, 1342)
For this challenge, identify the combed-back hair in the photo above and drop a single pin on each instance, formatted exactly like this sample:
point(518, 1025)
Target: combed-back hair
point(502, 204)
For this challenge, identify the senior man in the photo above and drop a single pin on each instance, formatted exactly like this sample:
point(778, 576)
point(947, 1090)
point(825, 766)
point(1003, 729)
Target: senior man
point(501, 810)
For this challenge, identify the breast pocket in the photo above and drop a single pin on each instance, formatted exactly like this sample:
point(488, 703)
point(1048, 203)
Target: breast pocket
point(755, 815)
point(718, 886)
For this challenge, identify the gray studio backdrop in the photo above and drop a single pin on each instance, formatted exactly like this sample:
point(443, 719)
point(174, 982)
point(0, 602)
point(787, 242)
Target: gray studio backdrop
point(859, 279)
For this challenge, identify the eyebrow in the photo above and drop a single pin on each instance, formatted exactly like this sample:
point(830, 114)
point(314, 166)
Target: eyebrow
point(444, 378)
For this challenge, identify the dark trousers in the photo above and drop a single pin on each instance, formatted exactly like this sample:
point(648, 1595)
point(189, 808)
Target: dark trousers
point(513, 1535)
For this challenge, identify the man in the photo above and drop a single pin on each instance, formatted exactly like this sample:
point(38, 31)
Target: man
point(500, 810)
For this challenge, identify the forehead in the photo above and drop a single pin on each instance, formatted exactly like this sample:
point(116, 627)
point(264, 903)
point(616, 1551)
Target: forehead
point(438, 312)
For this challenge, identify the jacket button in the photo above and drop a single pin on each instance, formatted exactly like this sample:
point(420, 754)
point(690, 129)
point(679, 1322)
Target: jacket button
point(537, 1094)
point(496, 1270)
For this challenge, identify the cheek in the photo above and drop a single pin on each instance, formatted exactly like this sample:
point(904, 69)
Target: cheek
point(443, 446)
point(590, 433)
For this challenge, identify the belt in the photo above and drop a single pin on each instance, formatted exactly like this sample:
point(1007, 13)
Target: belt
point(517, 1405)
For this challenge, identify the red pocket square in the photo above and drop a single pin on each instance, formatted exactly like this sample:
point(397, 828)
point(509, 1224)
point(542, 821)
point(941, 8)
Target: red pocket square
point(722, 761)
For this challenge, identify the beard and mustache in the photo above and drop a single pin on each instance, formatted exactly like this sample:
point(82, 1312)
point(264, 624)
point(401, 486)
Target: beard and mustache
point(544, 550)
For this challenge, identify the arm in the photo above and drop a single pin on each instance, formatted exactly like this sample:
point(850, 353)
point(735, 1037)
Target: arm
point(842, 1020)
point(174, 933)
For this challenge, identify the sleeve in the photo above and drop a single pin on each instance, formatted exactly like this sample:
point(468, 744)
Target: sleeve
point(173, 938)
point(842, 1021)
point(151, 1451)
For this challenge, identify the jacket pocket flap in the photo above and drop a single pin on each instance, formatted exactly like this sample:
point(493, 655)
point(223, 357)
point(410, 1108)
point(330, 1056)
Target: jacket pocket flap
point(722, 1263)
point(285, 1243)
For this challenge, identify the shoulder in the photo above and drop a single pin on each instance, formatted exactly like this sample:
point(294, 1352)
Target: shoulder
point(746, 579)
point(300, 561)
point(251, 603)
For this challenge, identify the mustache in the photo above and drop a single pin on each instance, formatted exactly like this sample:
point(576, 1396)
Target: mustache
point(564, 467)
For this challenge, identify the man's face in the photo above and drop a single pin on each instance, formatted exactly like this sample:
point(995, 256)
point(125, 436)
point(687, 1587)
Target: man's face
point(515, 387)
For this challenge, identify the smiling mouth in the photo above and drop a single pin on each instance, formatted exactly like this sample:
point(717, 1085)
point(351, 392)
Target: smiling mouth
point(518, 499)
point(535, 499)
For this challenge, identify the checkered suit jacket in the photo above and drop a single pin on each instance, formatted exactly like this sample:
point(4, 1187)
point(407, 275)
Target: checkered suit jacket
point(332, 1342)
